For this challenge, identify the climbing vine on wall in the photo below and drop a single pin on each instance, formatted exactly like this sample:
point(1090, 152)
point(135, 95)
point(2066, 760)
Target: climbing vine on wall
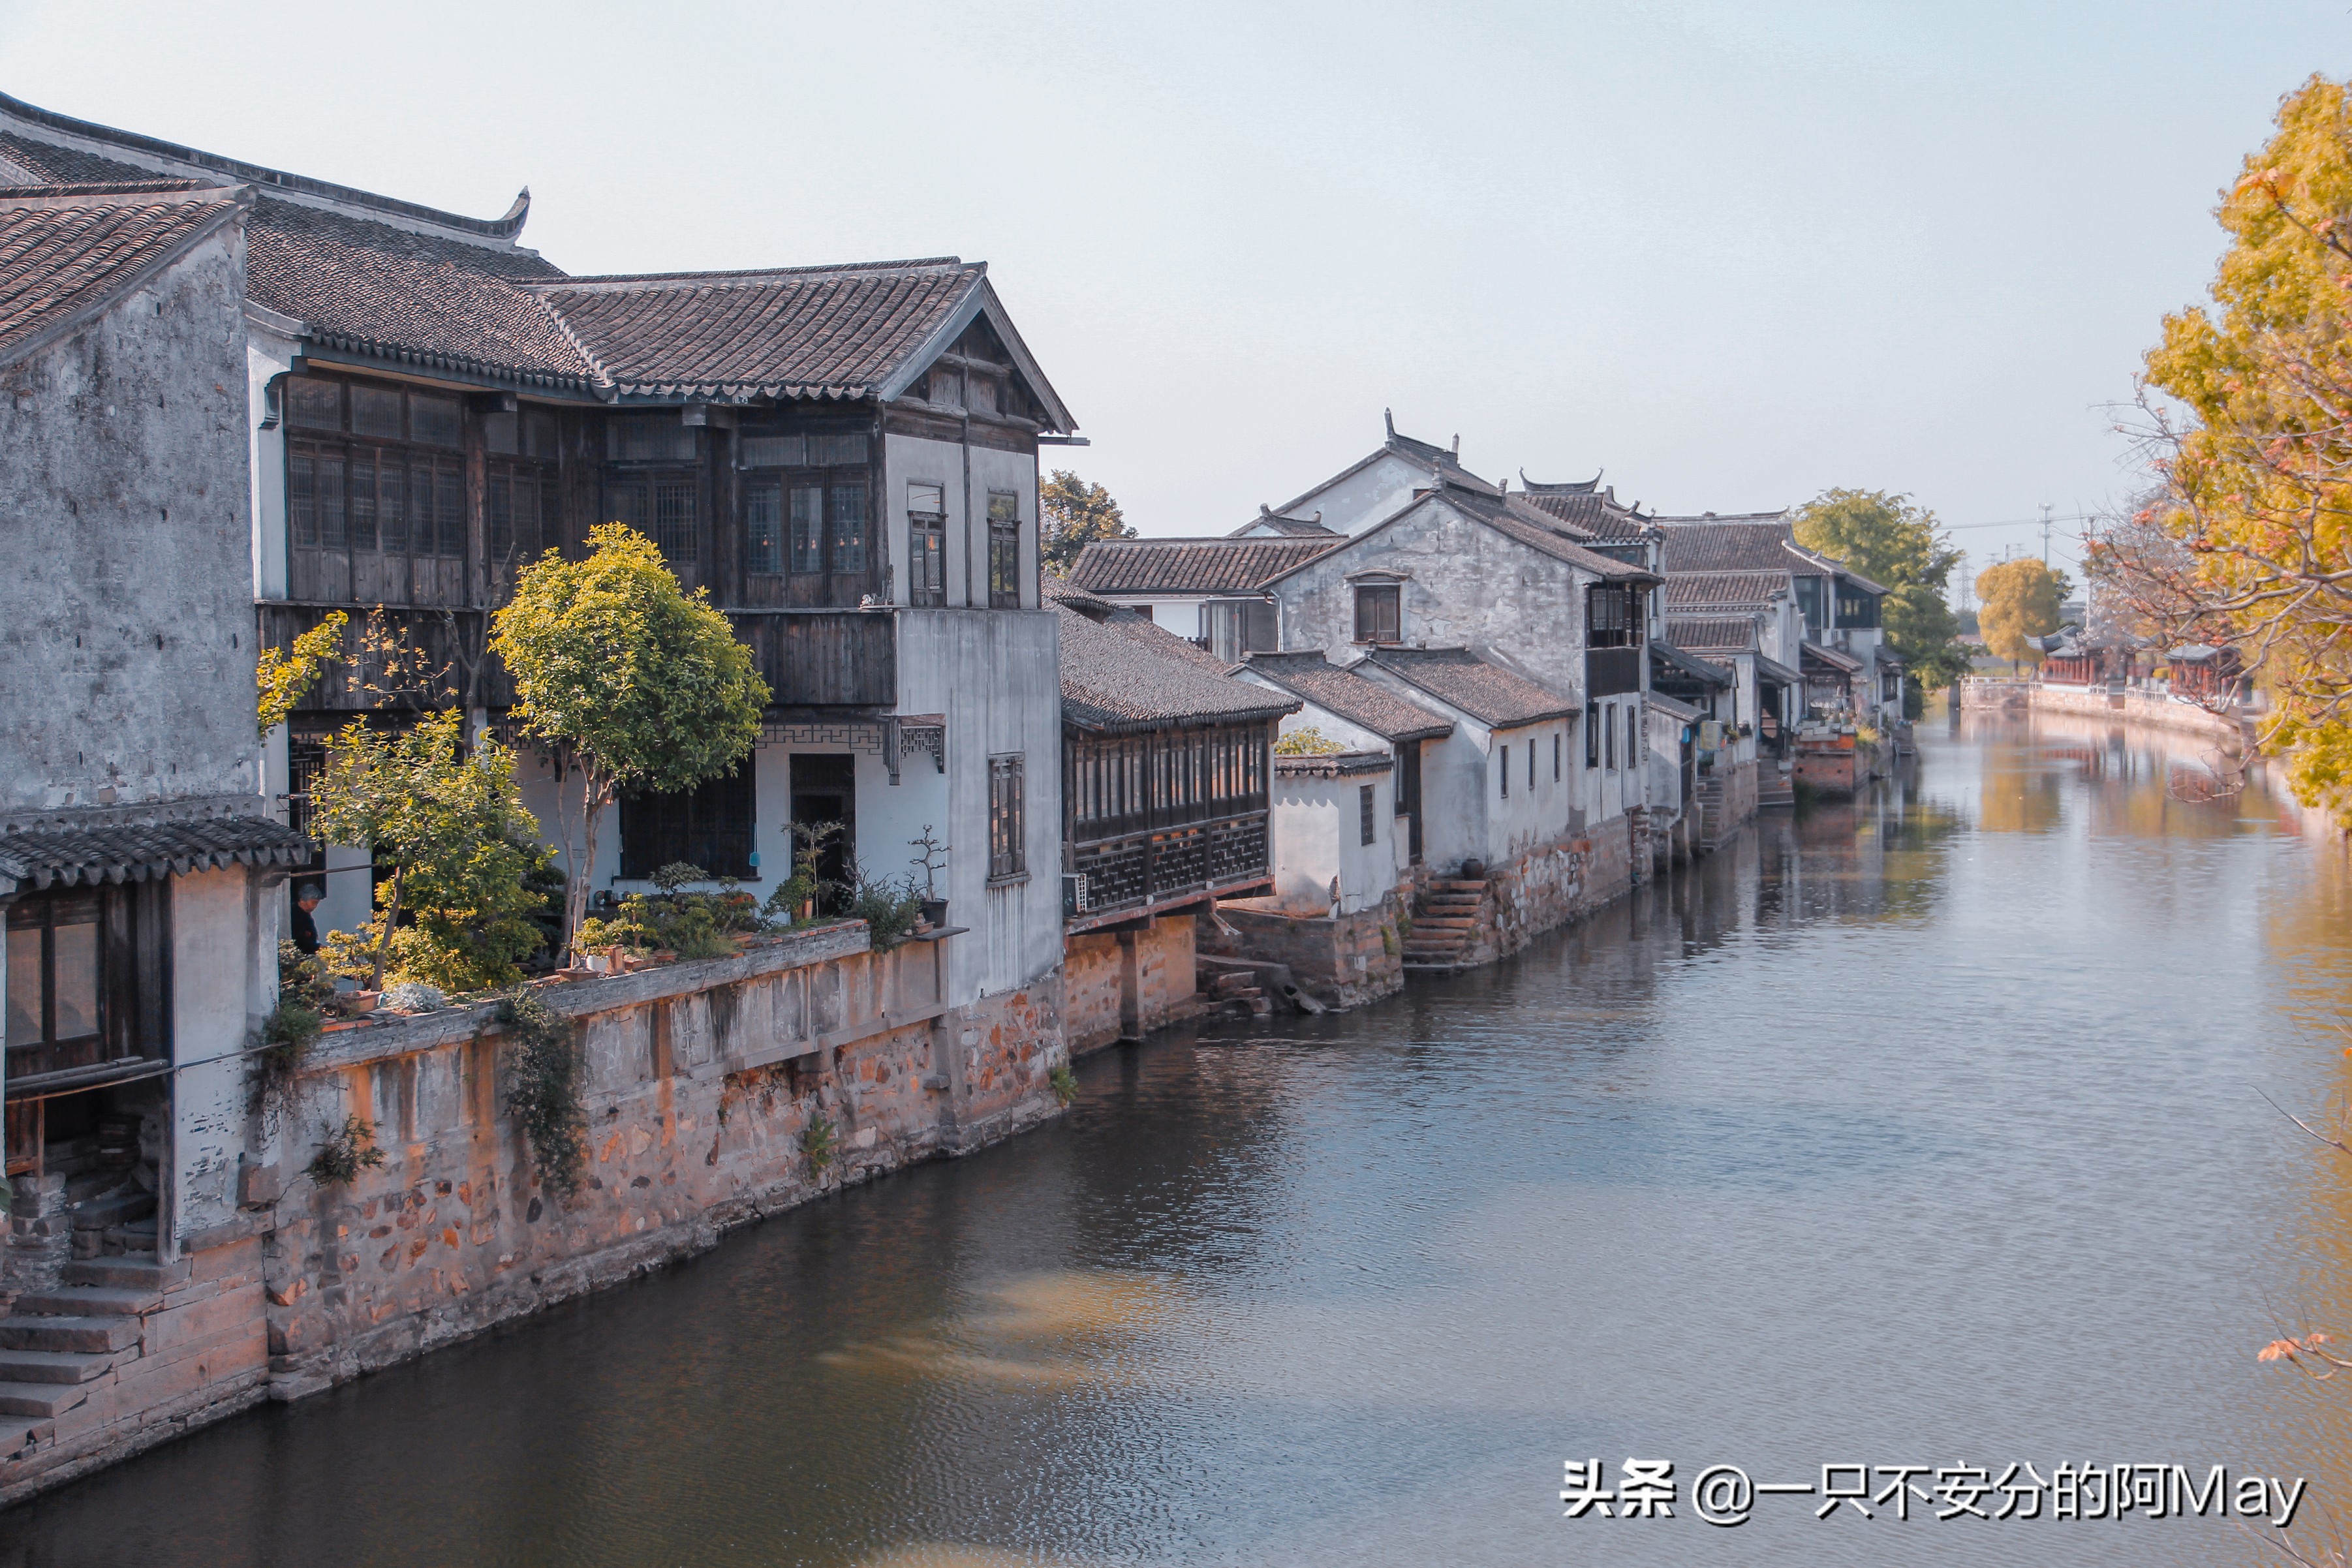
point(544, 1088)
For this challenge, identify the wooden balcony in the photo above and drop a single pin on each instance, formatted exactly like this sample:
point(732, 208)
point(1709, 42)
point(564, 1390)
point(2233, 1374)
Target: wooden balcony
point(810, 658)
point(1611, 672)
point(1141, 874)
point(824, 658)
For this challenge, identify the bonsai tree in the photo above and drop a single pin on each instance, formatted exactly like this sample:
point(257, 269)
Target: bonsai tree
point(626, 682)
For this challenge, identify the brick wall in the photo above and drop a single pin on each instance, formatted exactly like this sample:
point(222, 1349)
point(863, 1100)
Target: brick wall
point(1101, 970)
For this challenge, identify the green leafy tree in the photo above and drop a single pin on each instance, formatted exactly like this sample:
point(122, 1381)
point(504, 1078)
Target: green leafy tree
point(451, 831)
point(1895, 544)
point(1075, 514)
point(281, 679)
point(2021, 599)
point(626, 681)
point(2256, 452)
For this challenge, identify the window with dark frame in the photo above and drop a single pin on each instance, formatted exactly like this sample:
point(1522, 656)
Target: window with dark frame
point(1504, 753)
point(1609, 738)
point(1612, 617)
point(712, 826)
point(1632, 733)
point(808, 529)
point(87, 978)
point(1006, 856)
point(845, 519)
point(1592, 735)
point(763, 527)
point(372, 468)
point(1380, 612)
point(1365, 814)
point(1555, 760)
point(926, 543)
point(1003, 550)
point(814, 521)
point(1531, 764)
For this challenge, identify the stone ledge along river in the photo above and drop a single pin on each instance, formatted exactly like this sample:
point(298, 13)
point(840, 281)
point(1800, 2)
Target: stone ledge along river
point(1924, 1131)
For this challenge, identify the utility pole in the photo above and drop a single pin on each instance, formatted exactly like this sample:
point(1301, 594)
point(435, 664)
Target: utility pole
point(2045, 534)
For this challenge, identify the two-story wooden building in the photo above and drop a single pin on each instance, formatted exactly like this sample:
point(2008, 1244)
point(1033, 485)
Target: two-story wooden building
point(844, 457)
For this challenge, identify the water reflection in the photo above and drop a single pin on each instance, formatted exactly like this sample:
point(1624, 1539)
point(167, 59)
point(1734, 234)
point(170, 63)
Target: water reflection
point(1919, 1130)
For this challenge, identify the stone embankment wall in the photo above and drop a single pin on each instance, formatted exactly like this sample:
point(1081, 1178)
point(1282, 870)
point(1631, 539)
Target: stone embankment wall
point(1341, 960)
point(700, 1080)
point(1122, 985)
point(1552, 884)
point(2141, 704)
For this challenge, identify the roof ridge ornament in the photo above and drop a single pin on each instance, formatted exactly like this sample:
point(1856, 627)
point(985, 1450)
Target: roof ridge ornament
point(1387, 418)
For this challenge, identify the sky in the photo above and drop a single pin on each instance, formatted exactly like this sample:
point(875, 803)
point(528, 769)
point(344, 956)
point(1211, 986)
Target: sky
point(1729, 254)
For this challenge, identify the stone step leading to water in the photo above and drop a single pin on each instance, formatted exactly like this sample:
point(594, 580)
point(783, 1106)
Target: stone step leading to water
point(82, 1335)
point(42, 1400)
point(52, 1366)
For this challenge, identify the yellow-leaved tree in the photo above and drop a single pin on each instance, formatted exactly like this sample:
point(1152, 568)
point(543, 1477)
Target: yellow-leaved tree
point(2255, 449)
point(625, 680)
point(2019, 599)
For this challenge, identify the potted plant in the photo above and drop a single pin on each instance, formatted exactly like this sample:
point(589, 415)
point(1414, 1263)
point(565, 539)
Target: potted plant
point(930, 859)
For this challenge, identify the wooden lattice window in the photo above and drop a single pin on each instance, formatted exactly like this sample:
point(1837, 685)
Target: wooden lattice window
point(1006, 812)
point(1380, 612)
point(1003, 550)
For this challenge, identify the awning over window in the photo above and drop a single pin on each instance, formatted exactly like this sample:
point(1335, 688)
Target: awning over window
point(141, 852)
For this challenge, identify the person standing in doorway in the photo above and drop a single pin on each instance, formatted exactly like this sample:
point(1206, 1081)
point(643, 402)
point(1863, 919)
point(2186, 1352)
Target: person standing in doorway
point(306, 930)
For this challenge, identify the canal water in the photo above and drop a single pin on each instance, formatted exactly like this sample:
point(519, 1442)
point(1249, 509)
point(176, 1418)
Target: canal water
point(1930, 1130)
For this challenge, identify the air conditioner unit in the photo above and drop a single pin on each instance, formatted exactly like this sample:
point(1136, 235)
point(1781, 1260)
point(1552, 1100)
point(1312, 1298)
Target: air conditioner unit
point(1074, 895)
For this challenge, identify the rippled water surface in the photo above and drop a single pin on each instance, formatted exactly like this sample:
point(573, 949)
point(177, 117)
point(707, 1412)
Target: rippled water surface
point(1927, 1131)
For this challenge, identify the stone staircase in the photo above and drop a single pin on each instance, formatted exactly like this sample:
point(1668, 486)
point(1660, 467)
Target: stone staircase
point(1774, 787)
point(1236, 992)
point(1710, 800)
point(1446, 917)
point(55, 1342)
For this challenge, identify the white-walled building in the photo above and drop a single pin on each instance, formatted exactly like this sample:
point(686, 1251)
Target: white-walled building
point(137, 864)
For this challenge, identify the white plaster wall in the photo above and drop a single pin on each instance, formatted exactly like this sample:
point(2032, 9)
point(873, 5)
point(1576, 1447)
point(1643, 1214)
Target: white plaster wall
point(1529, 816)
point(1361, 501)
point(1665, 785)
point(911, 459)
point(219, 926)
point(268, 355)
point(1319, 835)
point(996, 676)
point(128, 655)
point(1465, 585)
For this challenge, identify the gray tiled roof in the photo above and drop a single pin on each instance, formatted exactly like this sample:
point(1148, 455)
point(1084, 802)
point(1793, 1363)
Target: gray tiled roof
point(1287, 527)
point(377, 287)
point(386, 278)
point(1725, 590)
point(1744, 543)
point(142, 851)
point(1125, 673)
point(64, 258)
point(1712, 633)
point(1506, 515)
point(1487, 693)
point(1350, 695)
point(1674, 709)
point(1689, 664)
point(1815, 560)
point(803, 331)
point(1831, 658)
point(1192, 566)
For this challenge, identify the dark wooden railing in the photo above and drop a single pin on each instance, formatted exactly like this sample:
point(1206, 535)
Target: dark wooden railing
point(1138, 871)
point(810, 658)
point(1608, 672)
